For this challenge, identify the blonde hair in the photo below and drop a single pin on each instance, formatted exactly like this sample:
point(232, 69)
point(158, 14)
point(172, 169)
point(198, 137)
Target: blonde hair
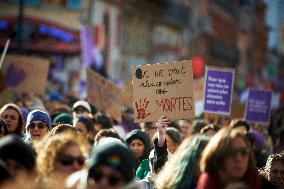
point(179, 171)
point(50, 147)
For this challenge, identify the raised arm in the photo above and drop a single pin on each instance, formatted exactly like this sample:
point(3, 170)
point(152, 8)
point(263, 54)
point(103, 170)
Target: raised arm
point(162, 125)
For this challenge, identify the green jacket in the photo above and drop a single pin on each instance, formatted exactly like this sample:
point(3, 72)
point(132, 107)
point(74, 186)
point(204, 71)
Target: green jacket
point(143, 169)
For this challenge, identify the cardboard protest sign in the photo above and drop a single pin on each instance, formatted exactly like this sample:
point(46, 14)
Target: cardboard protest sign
point(218, 90)
point(126, 94)
point(104, 94)
point(258, 106)
point(25, 74)
point(163, 89)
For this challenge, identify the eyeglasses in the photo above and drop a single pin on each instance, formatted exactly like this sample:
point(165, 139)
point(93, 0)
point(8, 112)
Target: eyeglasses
point(39, 125)
point(67, 160)
point(113, 180)
point(235, 152)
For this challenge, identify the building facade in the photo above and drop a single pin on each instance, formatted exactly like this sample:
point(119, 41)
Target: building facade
point(124, 33)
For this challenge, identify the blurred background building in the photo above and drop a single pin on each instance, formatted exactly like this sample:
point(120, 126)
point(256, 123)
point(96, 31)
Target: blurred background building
point(243, 34)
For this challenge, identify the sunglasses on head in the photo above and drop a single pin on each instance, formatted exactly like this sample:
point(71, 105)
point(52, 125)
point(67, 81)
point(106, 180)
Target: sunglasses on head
point(69, 160)
point(113, 180)
point(39, 125)
point(242, 151)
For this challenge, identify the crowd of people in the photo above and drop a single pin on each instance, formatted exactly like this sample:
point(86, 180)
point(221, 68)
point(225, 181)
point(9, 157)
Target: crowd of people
point(61, 146)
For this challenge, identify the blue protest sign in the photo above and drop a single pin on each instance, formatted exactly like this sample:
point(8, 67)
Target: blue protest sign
point(218, 90)
point(258, 106)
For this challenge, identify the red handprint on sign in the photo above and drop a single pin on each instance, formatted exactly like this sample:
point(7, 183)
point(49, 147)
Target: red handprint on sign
point(141, 109)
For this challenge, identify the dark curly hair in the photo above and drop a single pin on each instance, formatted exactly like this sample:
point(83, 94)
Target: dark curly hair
point(265, 171)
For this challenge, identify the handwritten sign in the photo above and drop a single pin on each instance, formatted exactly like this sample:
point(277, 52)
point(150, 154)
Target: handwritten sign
point(258, 106)
point(25, 74)
point(163, 89)
point(104, 94)
point(218, 90)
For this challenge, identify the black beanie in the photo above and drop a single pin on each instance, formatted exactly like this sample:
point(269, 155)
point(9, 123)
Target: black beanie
point(114, 154)
point(14, 148)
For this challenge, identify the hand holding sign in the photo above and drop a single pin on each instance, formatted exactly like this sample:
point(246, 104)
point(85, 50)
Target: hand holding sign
point(162, 125)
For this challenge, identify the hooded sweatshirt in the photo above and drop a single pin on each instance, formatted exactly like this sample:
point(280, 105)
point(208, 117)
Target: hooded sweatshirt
point(142, 136)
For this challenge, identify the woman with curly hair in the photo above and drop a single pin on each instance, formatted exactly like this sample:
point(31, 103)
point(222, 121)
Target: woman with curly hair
point(62, 128)
point(59, 156)
point(274, 170)
point(105, 134)
point(12, 115)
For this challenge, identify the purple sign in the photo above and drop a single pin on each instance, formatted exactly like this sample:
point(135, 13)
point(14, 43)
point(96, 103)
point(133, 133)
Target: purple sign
point(86, 46)
point(258, 106)
point(218, 91)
